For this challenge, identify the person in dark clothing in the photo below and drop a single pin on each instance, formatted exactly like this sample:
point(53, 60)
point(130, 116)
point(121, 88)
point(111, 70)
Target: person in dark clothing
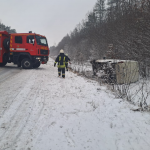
point(67, 61)
point(61, 60)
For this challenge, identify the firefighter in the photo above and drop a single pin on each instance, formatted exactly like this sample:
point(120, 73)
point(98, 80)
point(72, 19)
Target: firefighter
point(67, 60)
point(61, 60)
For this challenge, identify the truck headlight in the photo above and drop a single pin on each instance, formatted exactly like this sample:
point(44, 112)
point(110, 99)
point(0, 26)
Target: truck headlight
point(38, 57)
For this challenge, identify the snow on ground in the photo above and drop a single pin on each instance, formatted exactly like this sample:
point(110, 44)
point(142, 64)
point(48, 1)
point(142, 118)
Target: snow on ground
point(84, 68)
point(140, 91)
point(39, 111)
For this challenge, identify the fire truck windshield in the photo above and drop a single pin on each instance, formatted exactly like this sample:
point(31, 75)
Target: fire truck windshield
point(41, 40)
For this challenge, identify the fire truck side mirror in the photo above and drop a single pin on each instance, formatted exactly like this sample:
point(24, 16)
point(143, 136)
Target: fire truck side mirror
point(34, 42)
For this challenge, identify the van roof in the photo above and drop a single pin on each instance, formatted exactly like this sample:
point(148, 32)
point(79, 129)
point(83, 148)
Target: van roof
point(113, 60)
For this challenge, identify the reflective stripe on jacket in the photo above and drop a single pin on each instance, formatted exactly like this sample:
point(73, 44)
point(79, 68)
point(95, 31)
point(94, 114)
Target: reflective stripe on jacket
point(64, 63)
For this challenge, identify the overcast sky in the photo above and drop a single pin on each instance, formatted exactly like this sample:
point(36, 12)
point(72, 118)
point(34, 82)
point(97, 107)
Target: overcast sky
point(52, 18)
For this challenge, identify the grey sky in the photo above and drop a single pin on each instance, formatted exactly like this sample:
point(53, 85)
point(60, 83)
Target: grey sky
point(51, 18)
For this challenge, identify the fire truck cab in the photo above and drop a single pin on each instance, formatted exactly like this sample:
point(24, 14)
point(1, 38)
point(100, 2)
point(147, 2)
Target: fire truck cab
point(28, 50)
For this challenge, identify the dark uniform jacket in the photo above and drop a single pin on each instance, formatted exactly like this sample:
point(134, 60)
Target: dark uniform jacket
point(61, 60)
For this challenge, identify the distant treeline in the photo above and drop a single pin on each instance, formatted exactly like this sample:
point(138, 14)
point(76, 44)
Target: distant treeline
point(114, 29)
point(6, 28)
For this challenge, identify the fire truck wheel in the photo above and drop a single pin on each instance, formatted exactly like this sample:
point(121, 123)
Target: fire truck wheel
point(3, 64)
point(6, 43)
point(26, 63)
point(5, 59)
point(36, 65)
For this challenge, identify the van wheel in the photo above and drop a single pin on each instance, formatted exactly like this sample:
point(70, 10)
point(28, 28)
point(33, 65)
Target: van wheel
point(36, 65)
point(26, 63)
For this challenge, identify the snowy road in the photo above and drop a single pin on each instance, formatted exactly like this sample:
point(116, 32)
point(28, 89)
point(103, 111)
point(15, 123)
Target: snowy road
point(39, 111)
point(7, 72)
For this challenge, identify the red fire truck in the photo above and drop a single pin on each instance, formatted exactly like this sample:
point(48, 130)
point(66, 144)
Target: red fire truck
point(28, 50)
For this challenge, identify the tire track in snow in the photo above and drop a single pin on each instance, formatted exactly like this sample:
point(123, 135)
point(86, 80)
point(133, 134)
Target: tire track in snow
point(41, 123)
point(33, 119)
point(8, 72)
point(17, 106)
point(69, 139)
point(9, 90)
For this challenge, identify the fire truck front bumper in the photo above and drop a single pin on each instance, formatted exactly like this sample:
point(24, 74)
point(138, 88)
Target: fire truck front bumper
point(43, 59)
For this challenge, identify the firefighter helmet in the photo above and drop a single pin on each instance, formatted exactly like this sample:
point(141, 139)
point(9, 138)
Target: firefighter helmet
point(61, 51)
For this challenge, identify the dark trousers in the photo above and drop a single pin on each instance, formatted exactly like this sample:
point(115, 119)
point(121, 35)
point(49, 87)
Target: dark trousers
point(61, 70)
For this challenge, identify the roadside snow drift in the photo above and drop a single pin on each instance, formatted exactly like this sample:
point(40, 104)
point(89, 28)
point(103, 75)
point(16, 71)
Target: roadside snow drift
point(39, 111)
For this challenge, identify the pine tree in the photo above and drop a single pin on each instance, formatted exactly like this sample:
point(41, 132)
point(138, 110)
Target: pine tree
point(99, 10)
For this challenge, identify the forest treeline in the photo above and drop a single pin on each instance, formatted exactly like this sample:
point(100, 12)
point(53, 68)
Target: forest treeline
point(6, 28)
point(114, 29)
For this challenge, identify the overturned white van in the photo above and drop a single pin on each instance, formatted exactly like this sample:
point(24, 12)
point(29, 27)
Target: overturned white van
point(117, 71)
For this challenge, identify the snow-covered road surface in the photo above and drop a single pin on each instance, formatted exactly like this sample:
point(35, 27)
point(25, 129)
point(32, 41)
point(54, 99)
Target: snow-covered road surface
point(39, 111)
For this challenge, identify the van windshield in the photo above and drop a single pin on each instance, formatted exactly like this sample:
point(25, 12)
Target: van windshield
point(41, 40)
